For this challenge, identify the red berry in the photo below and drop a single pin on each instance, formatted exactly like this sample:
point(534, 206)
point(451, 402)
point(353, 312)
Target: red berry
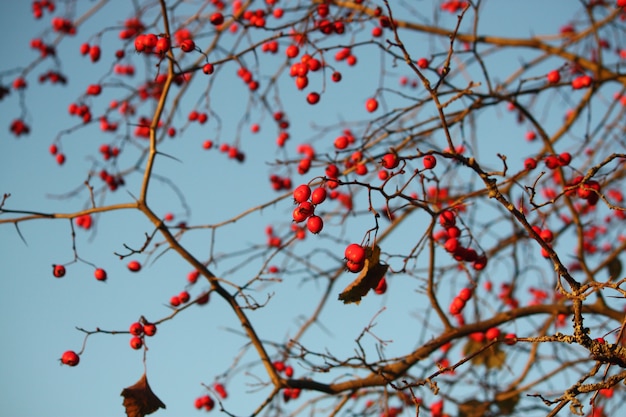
point(429, 161)
point(422, 63)
point(553, 77)
point(390, 160)
point(183, 297)
point(447, 218)
point(187, 45)
point(208, 68)
point(336, 77)
point(371, 105)
point(530, 163)
point(552, 162)
point(510, 338)
point(134, 266)
point(175, 301)
point(136, 342)
point(149, 329)
point(216, 19)
point(162, 46)
point(60, 158)
point(94, 53)
point(355, 253)
point(492, 333)
point(313, 98)
point(292, 51)
point(465, 294)
point(315, 224)
point(58, 271)
point(70, 358)
point(318, 196)
point(100, 274)
point(381, 287)
point(221, 391)
point(301, 193)
point(136, 329)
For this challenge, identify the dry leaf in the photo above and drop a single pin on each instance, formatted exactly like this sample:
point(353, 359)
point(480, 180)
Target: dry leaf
point(139, 399)
point(368, 278)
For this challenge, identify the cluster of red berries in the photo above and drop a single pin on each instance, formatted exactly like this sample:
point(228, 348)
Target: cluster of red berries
point(307, 201)
point(355, 255)
point(138, 331)
point(272, 240)
point(280, 183)
point(132, 27)
point(555, 161)
point(459, 301)
point(19, 128)
point(44, 49)
point(206, 402)
point(453, 6)
point(587, 190)
point(246, 75)
point(151, 43)
point(93, 51)
point(582, 81)
point(112, 181)
point(450, 235)
point(60, 24)
point(81, 111)
point(52, 76)
point(85, 221)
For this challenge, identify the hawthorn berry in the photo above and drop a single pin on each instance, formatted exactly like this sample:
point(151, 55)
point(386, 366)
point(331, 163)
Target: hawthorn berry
point(100, 274)
point(492, 333)
point(183, 297)
point(292, 51)
point(381, 287)
point(429, 161)
point(553, 77)
point(175, 301)
point(390, 160)
point(313, 98)
point(336, 76)
point(465, 294)
point(94, 53)
point(60, 158)
point(355, 253)
point(205, 402)
point(58, 271)
point(530, 163)
point(187, 45)
point(301, 193)
point(136, 342)
point(149, 329)
point(136, 329)
point(162, 45)
point(318, 195)
point(423, 63)
point(208, 68)
point(371, 105)
point(315, 224)
point(70, 358)
point(216, 19)
point(221, 390)
point(134, 266)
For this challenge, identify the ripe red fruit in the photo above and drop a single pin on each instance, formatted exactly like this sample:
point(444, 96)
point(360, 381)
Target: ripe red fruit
point(216, 19)
point(429, 161)
point(371, 105)
point(315, 224)
point(564, 158)
point(390, 160)
point(58, 271)
point(100, 274)
point(149, 329)
point(492, 333)
point(447, 218)
point(94, 90)
point(134, 266)
point(175, 301)
point(84, 49)
point(318, 196)
point(313, 98)
point(336, 77)
point(465, 294)
point(510, 338)
point(136, 342)
point(221, 391)
point(94, 53)
point(183, 297)
point(60, 158)
point(553, 77)
point(341, 142)
point(70, 358)
point(457, 305)
point(530, 163)
point(381, 287)
point(292, 51)
point(552, 162)
point(136, 329)
point(422, 63)
point(187, 45)
point(162, 46)
point(301, 193)
point(355, 253)
point(208, 68)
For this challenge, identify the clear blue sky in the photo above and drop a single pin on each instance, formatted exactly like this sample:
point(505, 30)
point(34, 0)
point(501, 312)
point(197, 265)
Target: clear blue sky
point(38, 314)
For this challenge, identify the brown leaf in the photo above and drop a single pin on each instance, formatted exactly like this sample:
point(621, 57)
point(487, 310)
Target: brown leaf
point(368, 278)
point(139, 399)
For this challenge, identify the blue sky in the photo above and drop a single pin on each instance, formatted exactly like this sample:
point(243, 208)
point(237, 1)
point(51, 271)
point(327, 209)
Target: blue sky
point(39, 314)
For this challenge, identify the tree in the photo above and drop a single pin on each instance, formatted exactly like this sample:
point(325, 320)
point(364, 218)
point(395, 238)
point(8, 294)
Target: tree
point(429, 222)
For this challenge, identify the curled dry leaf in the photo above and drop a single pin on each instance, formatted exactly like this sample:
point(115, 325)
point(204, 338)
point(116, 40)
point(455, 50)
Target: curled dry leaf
point(139, 400)
point(368, 278)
